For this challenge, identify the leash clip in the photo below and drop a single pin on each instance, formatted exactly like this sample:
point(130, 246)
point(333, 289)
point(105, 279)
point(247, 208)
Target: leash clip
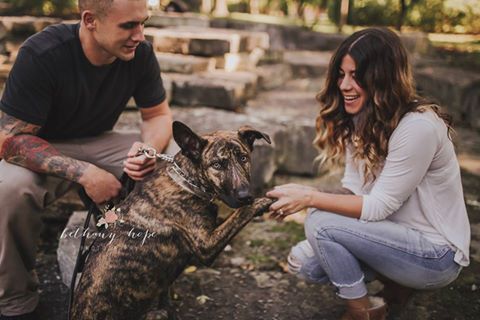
point(149, 152)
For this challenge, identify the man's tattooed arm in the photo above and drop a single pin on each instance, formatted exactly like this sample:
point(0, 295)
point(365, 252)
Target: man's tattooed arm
point(21, 146)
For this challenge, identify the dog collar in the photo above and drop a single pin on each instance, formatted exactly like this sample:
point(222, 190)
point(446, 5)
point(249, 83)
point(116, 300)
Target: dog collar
point(179, 177)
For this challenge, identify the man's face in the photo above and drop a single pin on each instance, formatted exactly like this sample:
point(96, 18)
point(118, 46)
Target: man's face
point(120, 31)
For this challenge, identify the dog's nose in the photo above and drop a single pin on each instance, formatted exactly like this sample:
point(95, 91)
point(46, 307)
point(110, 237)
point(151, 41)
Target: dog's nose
point(244, 195)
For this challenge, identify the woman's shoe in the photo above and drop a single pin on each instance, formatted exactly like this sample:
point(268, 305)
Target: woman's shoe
point(395, 294)
point(377, 311)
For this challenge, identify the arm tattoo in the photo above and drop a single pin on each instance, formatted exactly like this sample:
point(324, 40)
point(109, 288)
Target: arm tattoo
point(10, 126)
point(23, 148)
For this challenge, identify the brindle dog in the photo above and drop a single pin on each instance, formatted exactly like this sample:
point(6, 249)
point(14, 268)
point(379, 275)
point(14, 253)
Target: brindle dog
point(125, 277)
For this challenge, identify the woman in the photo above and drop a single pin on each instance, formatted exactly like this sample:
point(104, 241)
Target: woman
point(400, 214)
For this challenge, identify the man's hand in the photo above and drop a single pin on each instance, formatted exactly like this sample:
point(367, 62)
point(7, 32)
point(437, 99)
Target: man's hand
point(99, 184)
point(138, 166)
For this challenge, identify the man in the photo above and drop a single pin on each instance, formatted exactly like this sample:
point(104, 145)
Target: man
point(63, 96)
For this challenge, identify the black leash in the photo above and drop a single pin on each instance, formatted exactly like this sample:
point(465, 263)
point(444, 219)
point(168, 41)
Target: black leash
point(127, 186)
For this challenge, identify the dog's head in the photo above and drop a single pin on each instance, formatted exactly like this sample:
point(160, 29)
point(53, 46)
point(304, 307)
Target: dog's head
point(224, 159)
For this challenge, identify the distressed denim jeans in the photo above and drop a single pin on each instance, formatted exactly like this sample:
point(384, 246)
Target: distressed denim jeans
point(348, 252)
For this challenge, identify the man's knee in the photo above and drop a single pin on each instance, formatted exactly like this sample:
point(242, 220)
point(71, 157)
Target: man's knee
point(17, 189)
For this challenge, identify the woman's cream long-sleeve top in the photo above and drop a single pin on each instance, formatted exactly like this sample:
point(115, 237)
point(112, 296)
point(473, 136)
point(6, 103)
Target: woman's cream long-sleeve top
point(419, 185)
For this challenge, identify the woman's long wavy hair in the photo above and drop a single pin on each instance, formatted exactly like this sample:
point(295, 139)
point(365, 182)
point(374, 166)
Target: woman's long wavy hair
point(384, 73)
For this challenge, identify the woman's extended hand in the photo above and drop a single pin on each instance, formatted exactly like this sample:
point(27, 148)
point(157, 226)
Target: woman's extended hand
point(291, 198)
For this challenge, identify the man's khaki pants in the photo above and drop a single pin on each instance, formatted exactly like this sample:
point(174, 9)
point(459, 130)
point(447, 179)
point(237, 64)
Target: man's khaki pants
point(23, 196)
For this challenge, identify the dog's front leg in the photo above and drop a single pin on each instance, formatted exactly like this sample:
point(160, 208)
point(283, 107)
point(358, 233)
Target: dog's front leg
point(206, 246)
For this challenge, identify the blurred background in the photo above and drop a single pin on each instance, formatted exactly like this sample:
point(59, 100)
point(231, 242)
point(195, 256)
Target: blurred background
point(227, 63)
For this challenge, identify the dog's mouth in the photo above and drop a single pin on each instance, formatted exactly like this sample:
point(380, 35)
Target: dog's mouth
point(235, 203)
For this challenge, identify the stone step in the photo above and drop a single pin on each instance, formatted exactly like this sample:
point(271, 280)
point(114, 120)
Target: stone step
point(242, 61)
point(208, 42)
point(457, 90)
point(179, 63)
point(308, 64)
point(217, 89)
point(246, 78)
point(4, 71)
point(293, 107)
point(3, 31)
point(27, 25)
point(161, 19)
point(271, 76)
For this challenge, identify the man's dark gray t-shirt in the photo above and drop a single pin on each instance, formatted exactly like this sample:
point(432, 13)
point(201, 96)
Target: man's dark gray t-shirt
point(52, 84)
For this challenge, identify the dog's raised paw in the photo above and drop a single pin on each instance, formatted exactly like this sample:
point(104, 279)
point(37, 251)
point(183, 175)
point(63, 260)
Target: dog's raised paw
point(261, 205)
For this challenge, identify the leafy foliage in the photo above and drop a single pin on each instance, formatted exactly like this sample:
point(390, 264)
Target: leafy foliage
point(43, 7)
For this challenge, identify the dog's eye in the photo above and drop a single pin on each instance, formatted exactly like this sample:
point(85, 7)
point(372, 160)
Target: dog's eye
point(216, 165)
point(244, 158)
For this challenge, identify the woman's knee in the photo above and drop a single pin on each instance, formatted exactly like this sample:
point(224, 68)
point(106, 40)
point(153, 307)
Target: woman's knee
point(303, 263)
point(319, 224)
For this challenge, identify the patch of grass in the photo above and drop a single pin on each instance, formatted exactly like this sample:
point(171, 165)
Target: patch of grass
point(257, 243)
point(261, 259)
point(294, 231)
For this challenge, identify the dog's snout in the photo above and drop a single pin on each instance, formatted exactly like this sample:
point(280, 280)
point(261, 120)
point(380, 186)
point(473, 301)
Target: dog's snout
point(244, 195)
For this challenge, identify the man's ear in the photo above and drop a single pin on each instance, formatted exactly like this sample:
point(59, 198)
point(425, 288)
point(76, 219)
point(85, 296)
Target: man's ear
point(89, 20)
point(190, 143)
point(249, 135)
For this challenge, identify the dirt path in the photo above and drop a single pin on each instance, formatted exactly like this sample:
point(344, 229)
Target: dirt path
point(248, 282)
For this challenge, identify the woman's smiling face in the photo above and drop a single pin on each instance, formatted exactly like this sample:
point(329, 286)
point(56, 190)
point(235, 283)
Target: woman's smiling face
point(354, 96)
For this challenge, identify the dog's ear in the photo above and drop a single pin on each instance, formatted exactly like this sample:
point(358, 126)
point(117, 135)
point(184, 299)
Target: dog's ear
point(249, 135)
point(190, 143)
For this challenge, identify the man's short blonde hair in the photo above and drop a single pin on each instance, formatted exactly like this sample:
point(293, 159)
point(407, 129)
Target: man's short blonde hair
point(100, 7)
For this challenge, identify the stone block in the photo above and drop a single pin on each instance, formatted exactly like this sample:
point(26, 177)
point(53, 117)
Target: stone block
point(69, 244)
point(243, 61)
point(194, 90)
point(317, 41)
point(3, 31)
point(205, 41)
point(294, 150)
point(455, 89)
point(245, 78)
point(173, 19)
point(308, 64)
point(167, 85)
point(26, 25)
point(4, 71)
point(271, 76)
point(179, 63)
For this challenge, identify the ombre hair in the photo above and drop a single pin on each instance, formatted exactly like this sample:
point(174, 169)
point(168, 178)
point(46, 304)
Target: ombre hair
point(384, 73)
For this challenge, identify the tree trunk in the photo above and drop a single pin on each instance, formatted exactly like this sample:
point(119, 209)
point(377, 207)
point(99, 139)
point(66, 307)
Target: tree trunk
point(254, 6)
point(221, 8)
point(343, 14)
point(206, 6)
point(401, 17)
